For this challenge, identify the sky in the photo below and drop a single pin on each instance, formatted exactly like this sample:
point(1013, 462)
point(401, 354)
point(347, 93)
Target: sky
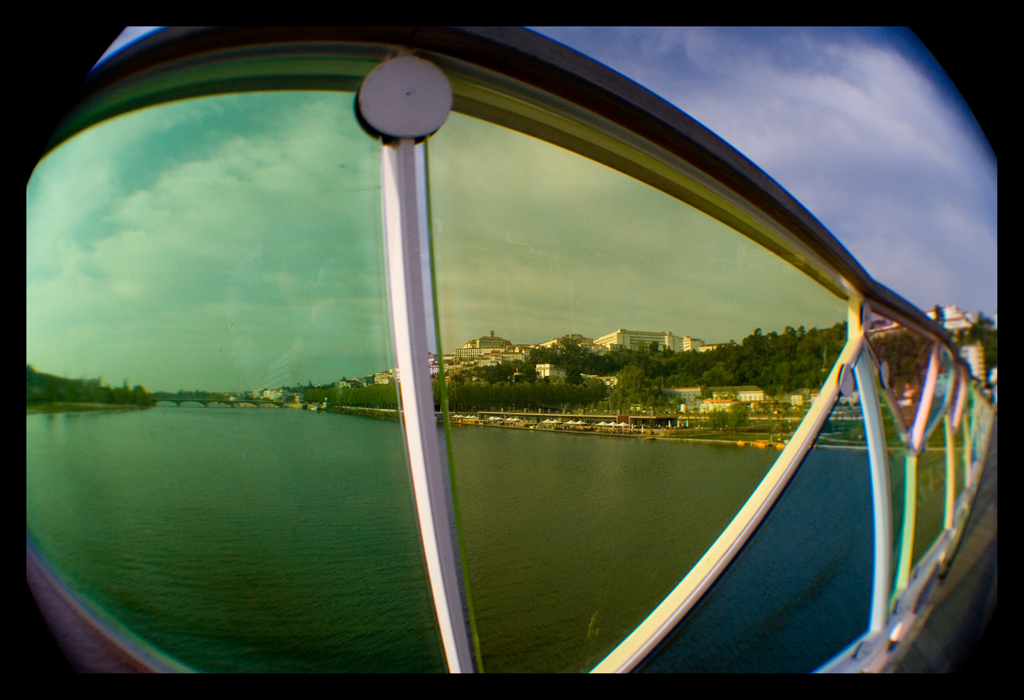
point(223, 243)
point(534, 242)
point(234, 242)
point(861, 126)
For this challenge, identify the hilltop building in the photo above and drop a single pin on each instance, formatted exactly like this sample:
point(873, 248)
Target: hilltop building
point(710, 405)
point(488, 341)
point(641, 340)
point(804, 397)
point(610, 381)
point(478, 347)
point(974, 356)
point(549, 370)
point(746, 393)
point(687, 396)
point(953, 319)
point(582, 341)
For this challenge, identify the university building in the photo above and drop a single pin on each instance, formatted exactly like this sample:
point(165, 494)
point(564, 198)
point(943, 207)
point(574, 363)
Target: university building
point(641, 340)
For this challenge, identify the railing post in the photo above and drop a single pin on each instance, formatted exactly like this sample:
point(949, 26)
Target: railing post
point(405, 100)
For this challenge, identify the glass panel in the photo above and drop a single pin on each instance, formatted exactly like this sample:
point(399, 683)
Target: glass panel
point(959, 464)
point(897, 452)
point(977, 427)
point(574, 527)
point(984, 419)
point(903, 356)
point(957, 436)
point(968, 445)
point(800, 590)
point(959, 405)
point(944, 383)
point(226, 253)
point(931, 494)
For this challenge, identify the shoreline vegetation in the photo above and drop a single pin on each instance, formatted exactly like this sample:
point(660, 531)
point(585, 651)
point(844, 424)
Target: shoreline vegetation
point(389, 414)
point(47, 393)
point(78, 407)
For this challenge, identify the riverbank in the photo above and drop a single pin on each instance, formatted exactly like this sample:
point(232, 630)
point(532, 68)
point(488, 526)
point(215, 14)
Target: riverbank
point(732, 437)
point(390, 414)
point(76, 407)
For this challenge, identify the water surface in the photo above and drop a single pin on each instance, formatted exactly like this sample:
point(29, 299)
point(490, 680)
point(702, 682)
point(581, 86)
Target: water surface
point(275, 540)
point(239, 539)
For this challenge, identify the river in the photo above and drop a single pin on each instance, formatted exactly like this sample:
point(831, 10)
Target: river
point(274, 540)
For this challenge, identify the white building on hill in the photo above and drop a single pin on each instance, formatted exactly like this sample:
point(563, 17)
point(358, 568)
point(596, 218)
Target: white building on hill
point(641, 340)
point(549, 370)
point(953, 319)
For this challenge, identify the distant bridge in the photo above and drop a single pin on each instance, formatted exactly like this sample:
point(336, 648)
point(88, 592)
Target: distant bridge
point(207, 401)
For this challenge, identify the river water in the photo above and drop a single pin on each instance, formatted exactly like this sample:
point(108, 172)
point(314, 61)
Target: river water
point(277, 540)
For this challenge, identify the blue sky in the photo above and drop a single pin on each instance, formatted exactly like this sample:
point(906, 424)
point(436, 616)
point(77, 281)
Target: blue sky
point(862, 126)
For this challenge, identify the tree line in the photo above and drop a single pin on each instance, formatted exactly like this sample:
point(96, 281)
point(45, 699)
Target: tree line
point(48, 388)
point(376, 396)
point(481, 396)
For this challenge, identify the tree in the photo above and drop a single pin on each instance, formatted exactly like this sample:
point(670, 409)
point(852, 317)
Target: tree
point(718, 375)
point(718, 420)
point(633, 388)
point(738, 415)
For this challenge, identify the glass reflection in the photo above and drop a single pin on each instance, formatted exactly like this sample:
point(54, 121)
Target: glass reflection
point(226, 253)
point(977, 425)
point(800, 590)
point(581, 311)
point(944, 384)
point(955, 440)
point(903, 357)
point(897, 453)
point(958, 432)
point(931, 494)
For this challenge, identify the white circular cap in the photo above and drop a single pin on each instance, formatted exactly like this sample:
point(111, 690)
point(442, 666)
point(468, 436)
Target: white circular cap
point(406, 97)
